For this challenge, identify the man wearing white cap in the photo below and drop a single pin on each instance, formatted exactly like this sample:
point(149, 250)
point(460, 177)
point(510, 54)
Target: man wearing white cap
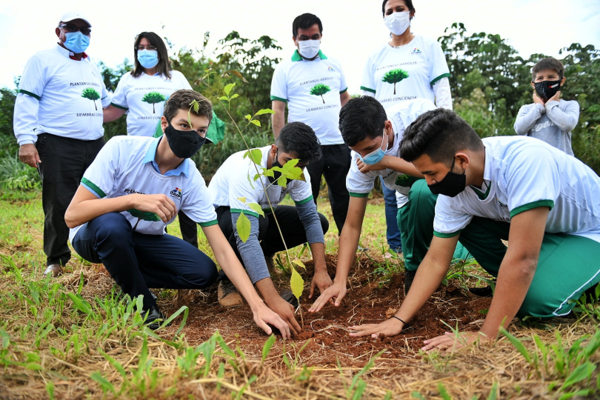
point(58, 125)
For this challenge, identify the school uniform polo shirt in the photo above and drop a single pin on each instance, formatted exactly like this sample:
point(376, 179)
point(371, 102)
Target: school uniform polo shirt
point(360, 184)
point(522, 173)
point(312, 91)
point(234, 180)
point(395, 74)
point(126, 165)
point(144, 99)
point(61, 96)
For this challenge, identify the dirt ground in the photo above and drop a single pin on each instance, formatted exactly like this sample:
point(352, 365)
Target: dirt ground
point(367, 301)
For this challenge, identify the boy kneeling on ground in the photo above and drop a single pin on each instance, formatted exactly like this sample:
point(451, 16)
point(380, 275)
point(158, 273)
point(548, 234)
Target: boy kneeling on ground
point(543, 201)
point(299, 224)
point(133, 189)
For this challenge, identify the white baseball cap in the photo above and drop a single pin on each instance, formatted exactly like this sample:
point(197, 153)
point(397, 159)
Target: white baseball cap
point(72, 15)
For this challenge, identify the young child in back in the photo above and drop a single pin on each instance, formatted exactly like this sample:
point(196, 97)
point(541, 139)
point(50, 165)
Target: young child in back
point(549, 118)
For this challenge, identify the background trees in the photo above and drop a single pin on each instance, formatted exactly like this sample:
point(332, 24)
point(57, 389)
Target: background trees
point(489, 80)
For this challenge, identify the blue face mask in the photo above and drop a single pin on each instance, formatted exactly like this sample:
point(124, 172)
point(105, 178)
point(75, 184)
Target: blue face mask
point(377, 155)
point(148, 58)
point(77, 42)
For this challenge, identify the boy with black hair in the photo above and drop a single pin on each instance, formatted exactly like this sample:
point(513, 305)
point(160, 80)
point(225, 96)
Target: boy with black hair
point(549, 118)
point(133, 189)
point(313, 87)
point(543, 201)
point(232, 190)
point(375, 140)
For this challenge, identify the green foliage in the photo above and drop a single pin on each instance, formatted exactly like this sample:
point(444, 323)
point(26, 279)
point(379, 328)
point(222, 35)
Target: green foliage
point(16, 176)
point(144, 215)
point(91, 94)
point(394, 76)
point(319, 90)
point(153, 98)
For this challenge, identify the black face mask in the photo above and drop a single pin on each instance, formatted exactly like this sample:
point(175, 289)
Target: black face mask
point(184, 144)
point(451, 185)
point(547, 89)
point(276, 174)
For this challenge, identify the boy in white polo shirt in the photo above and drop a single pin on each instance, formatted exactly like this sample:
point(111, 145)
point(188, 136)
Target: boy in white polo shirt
point(314, 88)
point(299, 224)
point(545, 202)
point(133, 189)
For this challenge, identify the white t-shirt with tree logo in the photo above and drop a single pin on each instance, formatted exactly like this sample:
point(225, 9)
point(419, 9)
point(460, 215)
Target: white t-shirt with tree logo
point(144, 99)
point(395, 74)
point(61, 96)
point(312, 90)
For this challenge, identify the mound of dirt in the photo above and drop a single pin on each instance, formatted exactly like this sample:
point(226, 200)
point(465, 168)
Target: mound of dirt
point(367, 301)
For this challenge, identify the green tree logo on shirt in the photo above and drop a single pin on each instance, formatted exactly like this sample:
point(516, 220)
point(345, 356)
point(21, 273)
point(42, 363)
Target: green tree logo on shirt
point(91, 94)
point(320, 90)
point(394, 76)
point(153, 98)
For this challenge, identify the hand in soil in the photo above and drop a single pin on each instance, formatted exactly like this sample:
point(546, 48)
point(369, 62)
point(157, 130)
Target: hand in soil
point(390, 327)
point(267, 319)
point(453, 341)
point(322, 280)
point(286, 312)
point(336, 291)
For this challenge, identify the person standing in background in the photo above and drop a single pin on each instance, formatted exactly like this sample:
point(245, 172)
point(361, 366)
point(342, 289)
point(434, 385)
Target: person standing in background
point(407, 67)
point(314, 88)
point(142, 94)
point(58, 125)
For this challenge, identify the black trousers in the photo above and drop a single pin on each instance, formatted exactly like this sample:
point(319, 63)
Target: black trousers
point(268, 234)
point(334, 165)
point(189, 229)
point(64, 161)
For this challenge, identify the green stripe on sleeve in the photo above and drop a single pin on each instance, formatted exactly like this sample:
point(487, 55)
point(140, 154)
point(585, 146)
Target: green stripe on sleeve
point(208, 223)
point(442, 76)
point(29, 94)
point(344, 91)
point(118, 106)
point(358, 194)
point(92, 186)
point(368, 89)
point(531, 206)
point(446, 235)
point(239, 211)
point(306, 200)
point(278, 99)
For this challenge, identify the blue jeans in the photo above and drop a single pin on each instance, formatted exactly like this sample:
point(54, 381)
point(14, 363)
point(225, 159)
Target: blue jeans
point(391, 213)
point(137, 261)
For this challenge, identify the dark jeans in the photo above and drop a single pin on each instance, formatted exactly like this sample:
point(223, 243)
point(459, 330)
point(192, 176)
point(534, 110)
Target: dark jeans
point(268, 234)
point(334, 165)
point(63, 163)
point(137, 261)
point(392, 232)
point(189, 229)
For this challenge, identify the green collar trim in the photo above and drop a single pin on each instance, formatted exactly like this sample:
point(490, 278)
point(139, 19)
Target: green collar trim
point(480, 194)
point(297, 57)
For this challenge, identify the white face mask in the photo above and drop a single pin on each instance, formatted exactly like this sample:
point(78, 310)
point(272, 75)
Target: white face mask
point(398, 22)
point(309, 48)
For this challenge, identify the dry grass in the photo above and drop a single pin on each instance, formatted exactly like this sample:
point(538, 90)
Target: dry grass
point(52, 367)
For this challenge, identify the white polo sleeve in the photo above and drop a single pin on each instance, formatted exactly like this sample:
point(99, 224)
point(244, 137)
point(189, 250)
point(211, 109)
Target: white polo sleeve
point(31, 88)
point(359, 184)
point(119, 98)
point(343, 83)
point(240, 188)
point(532, 179)
point(196, 202)
point(100, 176)
point(438, 67)
point(449, 221)
point(368, 80)
point(301, 191)
point(180, 81)
point(279, 84)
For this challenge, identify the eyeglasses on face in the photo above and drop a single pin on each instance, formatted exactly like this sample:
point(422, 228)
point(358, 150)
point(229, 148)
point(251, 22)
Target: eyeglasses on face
point(74, 28)
point(148, 47)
